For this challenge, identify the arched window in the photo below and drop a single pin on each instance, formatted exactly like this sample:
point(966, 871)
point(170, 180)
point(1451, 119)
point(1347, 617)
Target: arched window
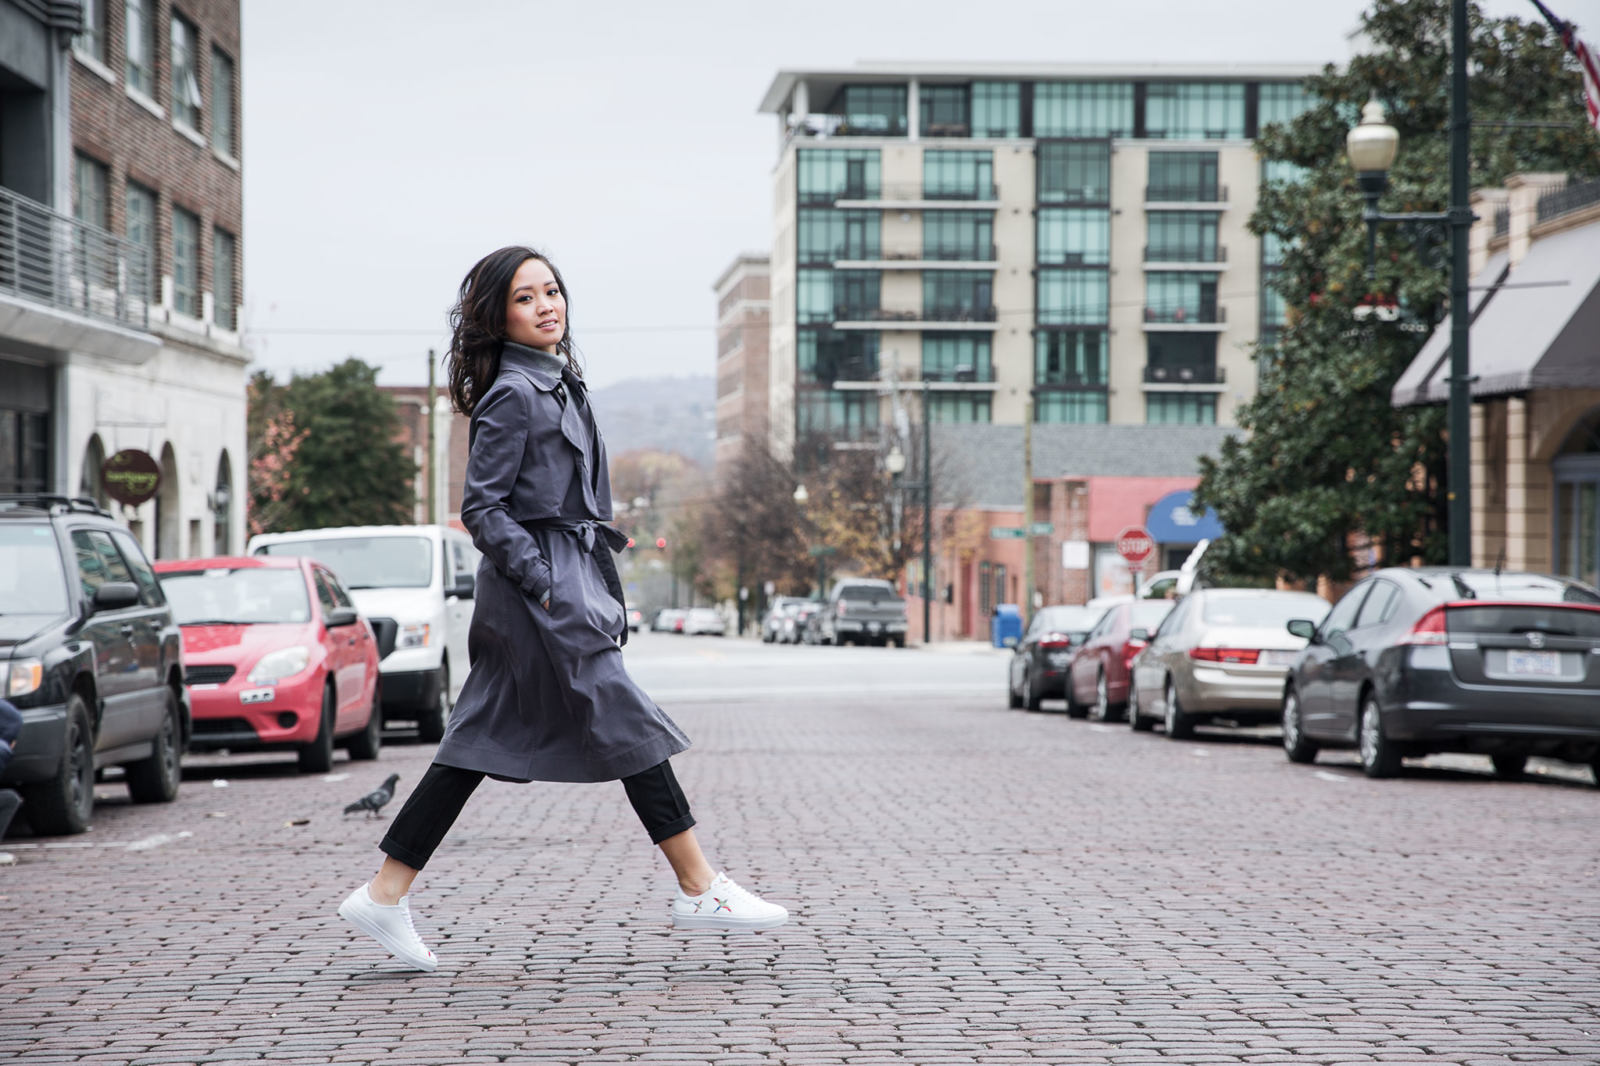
point(222, 502)
point(1576, 521)
point(91, 482)
point(169, 516)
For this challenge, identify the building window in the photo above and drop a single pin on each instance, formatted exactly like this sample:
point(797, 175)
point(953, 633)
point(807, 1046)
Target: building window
point(185, 262)
point(829, 174)
point(958, 235)
point(185, 73)
point(1181, 357)
point(963, 407)
point(222, 138)
point(24, 451)
point(139, 33)
point(224, 255)
point(944, 111)
point(1282, 172)
point(871, 110)
point(1180, 296)
point(1194, 111)
point(1182, 237)
point(824, 356)
point(953, 356)
point(1074, 172)
point(958, 175)
point(91, 40)
point(1180, 408)
point(1082, 109)
point(1283, 102)
point(89, 204)
point(1070, 357)
point(996, 109)
point(814, 296)
point(857, 294)
point(958, 295)
point(826, 235)
point(1075, 236)
point(1189, 177)
point(1073, 297)
point(1077, 407)
point(139, 220)
point(848, 415)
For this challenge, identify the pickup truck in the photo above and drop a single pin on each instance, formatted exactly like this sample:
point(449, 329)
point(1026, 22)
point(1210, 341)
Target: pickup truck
point(864, 611)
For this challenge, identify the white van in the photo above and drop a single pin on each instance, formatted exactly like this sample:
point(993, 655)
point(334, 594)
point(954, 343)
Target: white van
point(415, 585)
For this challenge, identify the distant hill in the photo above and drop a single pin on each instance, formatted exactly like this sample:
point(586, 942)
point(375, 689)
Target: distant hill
point(665, 414)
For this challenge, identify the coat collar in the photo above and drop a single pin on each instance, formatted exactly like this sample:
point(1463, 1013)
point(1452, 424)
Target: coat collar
point(543, 367)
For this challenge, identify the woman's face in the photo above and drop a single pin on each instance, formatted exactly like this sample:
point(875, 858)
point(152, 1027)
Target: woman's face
point(536, 312)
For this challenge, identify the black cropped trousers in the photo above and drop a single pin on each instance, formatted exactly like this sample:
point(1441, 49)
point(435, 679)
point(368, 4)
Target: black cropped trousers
point(437, 801)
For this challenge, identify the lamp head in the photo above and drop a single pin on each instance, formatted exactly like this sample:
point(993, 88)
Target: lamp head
point(895, 461)
point(800, 494)
point(1371, 146)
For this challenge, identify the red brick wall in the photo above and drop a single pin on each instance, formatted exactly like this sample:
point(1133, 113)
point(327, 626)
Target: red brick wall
point(133, 143)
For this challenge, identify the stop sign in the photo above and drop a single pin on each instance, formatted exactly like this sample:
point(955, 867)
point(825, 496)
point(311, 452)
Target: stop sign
point(1134, 544)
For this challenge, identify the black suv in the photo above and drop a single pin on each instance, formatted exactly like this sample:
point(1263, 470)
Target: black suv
point(91, 656)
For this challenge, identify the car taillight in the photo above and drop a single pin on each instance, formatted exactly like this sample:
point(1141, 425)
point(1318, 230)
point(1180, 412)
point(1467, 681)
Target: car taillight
point(1056, 640)
point(1130, 649)
point(1225, 655)
point(1428, 630)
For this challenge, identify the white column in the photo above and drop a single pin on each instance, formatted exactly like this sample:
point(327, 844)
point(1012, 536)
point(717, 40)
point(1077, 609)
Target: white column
point(913, 111)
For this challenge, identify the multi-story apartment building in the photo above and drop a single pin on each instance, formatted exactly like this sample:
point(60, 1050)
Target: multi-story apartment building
point(743, 327)
point(1074, 236)
point(121, 228)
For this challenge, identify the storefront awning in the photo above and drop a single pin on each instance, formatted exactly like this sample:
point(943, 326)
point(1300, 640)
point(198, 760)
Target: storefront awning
point(1172, 521)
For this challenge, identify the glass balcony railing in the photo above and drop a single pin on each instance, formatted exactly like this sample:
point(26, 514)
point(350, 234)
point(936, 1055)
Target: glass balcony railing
point(903, 191)
point(1185, 253)
point(1185, 374)
point(983, 373)
point(1186, 194)
point(1186, 315)
point(845, 313)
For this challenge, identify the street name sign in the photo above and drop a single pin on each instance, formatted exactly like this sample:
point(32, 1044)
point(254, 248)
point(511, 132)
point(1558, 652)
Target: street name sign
point(1005, 532)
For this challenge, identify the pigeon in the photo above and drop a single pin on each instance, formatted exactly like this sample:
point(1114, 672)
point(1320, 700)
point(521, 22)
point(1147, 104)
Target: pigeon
point(374, 800)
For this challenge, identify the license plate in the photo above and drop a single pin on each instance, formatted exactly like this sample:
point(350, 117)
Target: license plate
point(873, 627)
point(1533, 663)
point(1278, 657)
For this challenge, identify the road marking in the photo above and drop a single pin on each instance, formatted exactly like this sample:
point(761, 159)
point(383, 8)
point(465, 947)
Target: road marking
point(334, 777)
point(127, 845)
point(157, 841)
point(1199, 751)
point(1326, 776)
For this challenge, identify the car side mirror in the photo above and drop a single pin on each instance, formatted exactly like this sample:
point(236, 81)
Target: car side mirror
point(340, 616)
point(1304, 628)
point(115, 595)
point(464, 586)
point(1139, 634)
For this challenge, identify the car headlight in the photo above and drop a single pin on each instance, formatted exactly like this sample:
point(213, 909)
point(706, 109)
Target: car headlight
point(22, 676)
point(413, 636)
point(277, 665)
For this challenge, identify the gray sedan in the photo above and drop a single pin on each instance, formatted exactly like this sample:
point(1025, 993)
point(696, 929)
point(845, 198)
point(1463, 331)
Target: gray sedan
point(1220, 654)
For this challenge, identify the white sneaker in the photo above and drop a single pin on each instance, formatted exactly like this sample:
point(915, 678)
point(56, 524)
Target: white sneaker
point(728, 907)
point(389, 926)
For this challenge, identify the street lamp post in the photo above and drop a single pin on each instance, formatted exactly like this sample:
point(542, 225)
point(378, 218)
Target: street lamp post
point(817, 550)
point(1371, 146)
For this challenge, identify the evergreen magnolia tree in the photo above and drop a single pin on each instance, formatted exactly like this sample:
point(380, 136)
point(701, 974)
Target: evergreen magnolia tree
point(324, 452)
point(1326, 455)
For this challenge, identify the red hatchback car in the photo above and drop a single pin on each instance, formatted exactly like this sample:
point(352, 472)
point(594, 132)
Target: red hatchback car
point(276, 658)
point(1097, 677)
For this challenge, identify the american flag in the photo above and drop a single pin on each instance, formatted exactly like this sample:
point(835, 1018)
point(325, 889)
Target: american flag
point(1587, 58)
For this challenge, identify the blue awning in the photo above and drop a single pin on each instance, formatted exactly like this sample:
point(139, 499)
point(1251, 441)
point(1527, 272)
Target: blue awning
point(1172, 522)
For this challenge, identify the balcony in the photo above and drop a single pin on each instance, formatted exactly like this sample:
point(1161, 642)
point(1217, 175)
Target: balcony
point(926, 258)
point(1185, 197)
point(1186, 374)
point(71, 285)
point(905, 196)
point(1184, 258)
point(1177, 319)
point(959, 375)
point(944, 318)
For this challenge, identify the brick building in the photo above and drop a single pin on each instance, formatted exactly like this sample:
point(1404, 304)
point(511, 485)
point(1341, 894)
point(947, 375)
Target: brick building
point(743, 319)
point(449, 470)
point(122, 327)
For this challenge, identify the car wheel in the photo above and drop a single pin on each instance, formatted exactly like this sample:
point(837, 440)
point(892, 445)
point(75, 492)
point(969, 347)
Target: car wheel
point(63, 805)
point(1509, 767)
point(430, 726)
point(1013, 699)
point(1379, 756)
point(1296, 745)
point(1030, 692)
point(1136, 721)
point(317, 756)
point(1100, 710)
point(1180, 725)
point(900, 642)
point(154, 779)
point(366, 744)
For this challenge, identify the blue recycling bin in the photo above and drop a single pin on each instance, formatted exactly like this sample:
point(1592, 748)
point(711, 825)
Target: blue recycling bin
point(1005, 625)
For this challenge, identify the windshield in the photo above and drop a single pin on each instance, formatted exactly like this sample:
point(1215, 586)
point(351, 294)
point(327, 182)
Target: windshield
point(244, 596)
point(867, 592)
point(1147, 614)
point(31, 581)
point(1068, 619)
point(1268, 609)
point(368, 562)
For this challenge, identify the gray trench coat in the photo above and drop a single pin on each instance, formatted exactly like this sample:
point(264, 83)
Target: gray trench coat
point(547, 698)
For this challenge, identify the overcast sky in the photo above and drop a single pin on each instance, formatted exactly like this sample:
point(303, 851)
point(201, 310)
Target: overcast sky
point(388, 144)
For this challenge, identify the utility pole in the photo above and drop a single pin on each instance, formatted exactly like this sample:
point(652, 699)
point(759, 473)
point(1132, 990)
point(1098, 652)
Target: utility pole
point(1459, 460)
point(927, 518)
point(433, 503)
point(1027, 510)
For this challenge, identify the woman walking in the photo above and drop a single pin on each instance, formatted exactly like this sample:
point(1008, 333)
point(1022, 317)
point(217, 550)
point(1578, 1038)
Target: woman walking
point(547, 698)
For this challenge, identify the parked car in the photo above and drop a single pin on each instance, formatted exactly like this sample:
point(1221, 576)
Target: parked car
point(1435, 659)
point(91, 656)
point(772, 622)
point(799, 622)
point(414, 584)
point(863, 611)
point(277, 658)
point(1097, 674)
point(635, 619)
point(669, 620)
point(704, 620)
point(1038, 667)
point(1220, 654)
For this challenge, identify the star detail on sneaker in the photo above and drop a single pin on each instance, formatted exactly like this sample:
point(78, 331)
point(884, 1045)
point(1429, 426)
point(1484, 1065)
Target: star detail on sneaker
point(722, 905)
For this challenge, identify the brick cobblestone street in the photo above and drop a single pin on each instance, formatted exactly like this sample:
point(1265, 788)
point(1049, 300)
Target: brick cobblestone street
point(968, 885)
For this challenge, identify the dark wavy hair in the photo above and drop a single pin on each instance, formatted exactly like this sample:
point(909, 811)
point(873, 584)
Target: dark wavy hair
point(478, 324)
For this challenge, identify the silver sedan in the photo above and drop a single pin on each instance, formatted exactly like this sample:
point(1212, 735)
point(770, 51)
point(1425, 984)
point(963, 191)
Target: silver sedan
point(1221, 653)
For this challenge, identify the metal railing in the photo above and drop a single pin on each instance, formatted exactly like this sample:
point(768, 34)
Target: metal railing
point(931, 314)
point(1569, 198)
point(50, 258)
point(1186, 315)
point(1190, 374)
point(900, 191)
point(1181, 254)
point(983, 374)
point(1185, 194)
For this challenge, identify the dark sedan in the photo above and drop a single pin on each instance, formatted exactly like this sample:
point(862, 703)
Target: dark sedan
point(1415, 661)
point(1038, 668)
